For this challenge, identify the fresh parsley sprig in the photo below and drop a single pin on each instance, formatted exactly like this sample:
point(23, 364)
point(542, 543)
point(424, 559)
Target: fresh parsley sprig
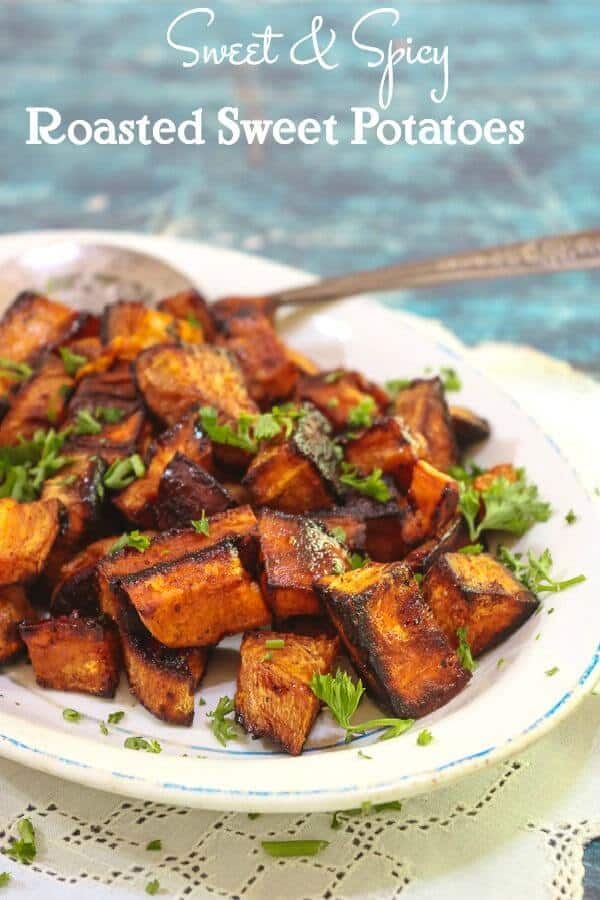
point(342, 696)
point(512, 506)
point(23, 849)
point(201, 525)
point(463, 651)
point(372, 485)
point(223, 728)
point(535, 572)
point(361, 415)
point(134, 539)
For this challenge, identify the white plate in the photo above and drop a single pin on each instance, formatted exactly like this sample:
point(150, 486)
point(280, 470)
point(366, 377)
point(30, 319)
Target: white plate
point(498, 714)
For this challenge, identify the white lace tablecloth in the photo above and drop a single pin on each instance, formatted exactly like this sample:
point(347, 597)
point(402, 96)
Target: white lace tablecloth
point(516, 831)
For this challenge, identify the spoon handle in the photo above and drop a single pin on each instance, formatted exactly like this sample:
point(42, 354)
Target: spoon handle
point(558, 253)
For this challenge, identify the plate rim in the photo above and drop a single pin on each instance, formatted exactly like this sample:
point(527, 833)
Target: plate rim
point(19, 748)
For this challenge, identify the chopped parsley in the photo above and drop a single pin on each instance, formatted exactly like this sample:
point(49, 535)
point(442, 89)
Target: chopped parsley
point(222, 727)
point(124, 472)
point(140, 743)
point(363, 755)
point(371, 485)
point(115, 717)
point(500, 662)
point(333, 402)
point(339, 534)
point(535, 572)
point(109, 414)
point(25, 466)
point(424, 737)
point(334, 376)
point(571, 517)
point(418, 576)
point(337, 567)
point(471, 549)
point(17, 370)
point(193, 320)
point(201, 525)
point(361, 415)
point(154, 845)
point(85, 423)
point(253, 816)
point(250, 430)
point(103, 728)
point(275, 644)
point(342, 696)
point(23, 850)
point(72, 361)
point(450, 379)
point(71, 715)
point(503, 506)
point(395, 385)
point(364, 810)
point(358, 560)
point(4, 878)
point(463, 651)
point(133, 539)
point(552, 671)
point(153, 887)
point(293, 848)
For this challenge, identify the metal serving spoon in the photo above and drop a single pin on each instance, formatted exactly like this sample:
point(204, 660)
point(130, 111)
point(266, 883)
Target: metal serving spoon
point(101, 273)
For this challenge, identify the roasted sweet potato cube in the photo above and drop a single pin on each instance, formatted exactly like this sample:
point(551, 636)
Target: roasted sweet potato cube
point(338, 392)
point(392, 637)
point(32, 325)
point(344, 524)
point(76, 587)
point(423, 407)
point(138, 501)
point(299, 474)
point(39, 403)
point(387, 445)
point(385, 526)
point(433, 496)
point(173, 379)
point(185, 490)
point(469, 428)
point(239, 525)
point(74, 654)
point(479, 594)
point(14, 609)
point(273, 697)
point(78, 487)
point(503, 470)
point(228, 308)
point(198, 600)
point(269, 372)
point(191, 306)
point(113, 390)
point(294, 551)
point(164, 680)
point(27, 534)
point(142, 326)
point(450, 537)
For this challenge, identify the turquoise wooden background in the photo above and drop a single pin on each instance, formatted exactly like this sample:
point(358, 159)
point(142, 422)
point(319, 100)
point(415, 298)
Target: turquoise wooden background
point(326, 208)
point(323, 208)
